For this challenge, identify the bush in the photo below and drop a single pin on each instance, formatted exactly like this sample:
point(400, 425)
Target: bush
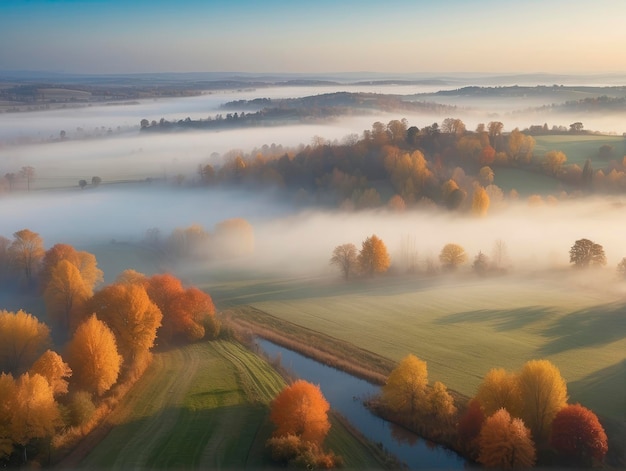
point(81, 408)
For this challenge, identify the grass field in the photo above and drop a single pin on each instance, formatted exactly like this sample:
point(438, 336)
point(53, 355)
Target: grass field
point(579, 148)
point(463, 327)
point(203, 406)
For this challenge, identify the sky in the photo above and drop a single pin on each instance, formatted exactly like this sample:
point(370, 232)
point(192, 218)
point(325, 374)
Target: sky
point(321, 36)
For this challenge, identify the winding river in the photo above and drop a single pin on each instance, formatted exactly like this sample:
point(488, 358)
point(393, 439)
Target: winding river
point(346, 393)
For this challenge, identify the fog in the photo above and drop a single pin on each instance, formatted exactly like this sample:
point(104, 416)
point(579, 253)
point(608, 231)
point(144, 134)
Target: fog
point(287, 238)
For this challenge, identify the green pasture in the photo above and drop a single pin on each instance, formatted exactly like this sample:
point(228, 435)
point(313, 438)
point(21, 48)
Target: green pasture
point(203, 406)
point(527, 183)
point(462, 326)
point(579, 148)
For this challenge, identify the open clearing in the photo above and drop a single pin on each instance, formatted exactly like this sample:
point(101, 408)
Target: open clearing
point(203, 406)
point(579, 148)
point(464, 326)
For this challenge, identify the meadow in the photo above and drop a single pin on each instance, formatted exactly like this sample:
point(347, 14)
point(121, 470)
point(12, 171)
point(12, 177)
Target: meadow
point(579, 148)
point(202, 406)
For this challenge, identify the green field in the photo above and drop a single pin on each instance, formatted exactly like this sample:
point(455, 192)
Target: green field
point(203, 406)
point(579, 148)
point(462, 327)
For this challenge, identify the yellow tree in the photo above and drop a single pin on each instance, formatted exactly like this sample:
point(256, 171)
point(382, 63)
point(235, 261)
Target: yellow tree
point(480, 201)
point(233, 237)
point(451, 256)
point(51, 366)
point(22, 339)
point(26, 252)
point(36, 413)
point(544, 394)
point(301, 409)
point(65, 295)
point(92, 355)
point(500, 390)
point(131, 315)
point(553, 161)
point(505, 443)
point(85, 262)
point(8, 392)
point(440, 402)
point(132, 277)
point(405, 389)
point(373, 257)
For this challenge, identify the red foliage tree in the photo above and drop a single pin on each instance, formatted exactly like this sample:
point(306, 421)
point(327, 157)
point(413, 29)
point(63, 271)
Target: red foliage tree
point(469, 427)
point(578, 434)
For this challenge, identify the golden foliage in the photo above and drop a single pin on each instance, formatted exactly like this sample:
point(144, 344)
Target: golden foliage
point(452, 255)
point(500, 390)
point(26, 252)
point(8, 393)
point(131, 315)
point(36, 414)
point(85, 262)
point(301, 409)
point(373, 257)
point(92, 355)
point(233, 237)
point(480, 201)
point(22, 339)
point(405, 389)
point(440, 402)
point(132, 277)
point(65, 295)
point(505, 443)
point(544, 394)
point(51, 366)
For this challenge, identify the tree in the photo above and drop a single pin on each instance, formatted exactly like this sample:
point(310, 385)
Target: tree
point(373, 257)
point(578, 434)
point(544, 394)
point(486, 176)
point(440, 403)
point(8, 393)
point(301, 409)
point(82, 184)
point(405, 389)
point(66, 295)
point(233, 238)
point(346, 258)
point(576, 127)
point(585, 253)
point(51, 366)
point(505, 443)
point(587, 174)
point(553, 161)
point(131, 315)
point(500, 390)
point(396, 203)
point(499, 255)
point(26, 252)
point(28, 173)
point(36, 413)
point(93, 358)
point(22, 339)
point(621, 268)
point(85, 262)
point(480, 201)
point(10, 177)
point(469, 425)
point(95, 181)
point(481, 264)
point(451, 256)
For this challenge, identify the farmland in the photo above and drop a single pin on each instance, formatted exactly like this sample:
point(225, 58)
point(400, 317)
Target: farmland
point(201, 406)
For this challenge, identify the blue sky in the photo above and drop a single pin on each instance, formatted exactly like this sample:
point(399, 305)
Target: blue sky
point(322, 36)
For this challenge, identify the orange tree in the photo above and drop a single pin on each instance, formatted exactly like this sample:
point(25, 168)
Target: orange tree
point(578, 434)
point(505, 443)
point(373, 257)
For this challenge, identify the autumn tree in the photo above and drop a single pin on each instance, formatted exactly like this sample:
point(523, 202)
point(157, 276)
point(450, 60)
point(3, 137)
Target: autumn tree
point(51, 366)
point(26, 252)
point(405, 389)
point(621, 268)
point(132, 316)
point(93, 358)
point(65, 295)
point(480, 201)
point(440, 403)
point(233, 237)
point(345, 257)
point(468, 427)
point(451, 256)
point(486, 176)
point(22, 340)
point(301, 409)
point(192, 241)
point(585, 253)
point(85, 262)
point(500, 390)
point(553, 161)
point(36, 414)
point(373, 257)
point(505, 443)
point(396, 203)
point(544, 394)
point(578, 435)
point(8, 393)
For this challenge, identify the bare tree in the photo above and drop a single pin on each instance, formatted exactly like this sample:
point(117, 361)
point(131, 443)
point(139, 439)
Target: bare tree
point(345, 257)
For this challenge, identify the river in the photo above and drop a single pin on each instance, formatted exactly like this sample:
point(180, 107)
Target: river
point(346, 393)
